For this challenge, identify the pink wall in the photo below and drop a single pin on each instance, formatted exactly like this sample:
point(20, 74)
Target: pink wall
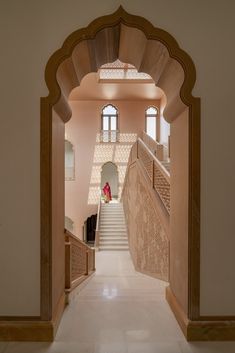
point(90, 155)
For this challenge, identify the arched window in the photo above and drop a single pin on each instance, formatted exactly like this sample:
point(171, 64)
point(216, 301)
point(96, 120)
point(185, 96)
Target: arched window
point(69, 161)
point(109, 121)
point(151, 122)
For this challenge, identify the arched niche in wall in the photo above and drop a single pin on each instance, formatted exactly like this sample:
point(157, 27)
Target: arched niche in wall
point(69, 161)
point(109, 173)
point(133, 40)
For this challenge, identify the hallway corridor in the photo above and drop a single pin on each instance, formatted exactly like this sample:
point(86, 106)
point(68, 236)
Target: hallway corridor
point(118, 311)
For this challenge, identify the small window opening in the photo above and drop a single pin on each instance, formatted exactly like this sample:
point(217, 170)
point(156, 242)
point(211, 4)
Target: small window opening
point(109, 129)
point(151, 122)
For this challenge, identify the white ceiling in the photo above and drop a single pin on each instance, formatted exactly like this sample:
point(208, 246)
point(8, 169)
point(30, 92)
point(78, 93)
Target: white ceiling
point(91, 89)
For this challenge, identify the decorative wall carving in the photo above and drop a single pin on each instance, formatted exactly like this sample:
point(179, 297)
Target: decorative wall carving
point(162, 186)
point(147, 161)
point(148, 241)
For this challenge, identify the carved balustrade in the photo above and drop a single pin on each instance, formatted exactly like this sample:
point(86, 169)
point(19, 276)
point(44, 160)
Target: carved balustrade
point(157, 173)
point(155, 147)
point(79, 261)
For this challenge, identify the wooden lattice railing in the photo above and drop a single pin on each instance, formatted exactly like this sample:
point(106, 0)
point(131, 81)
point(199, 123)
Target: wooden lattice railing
point(79, 261)
point(157, 173)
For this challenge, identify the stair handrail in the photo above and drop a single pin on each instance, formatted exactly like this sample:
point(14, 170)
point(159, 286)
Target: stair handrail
point(154, 146)
point(97, 231)
point(69, 234)
point(158, 174)
point(163, 170)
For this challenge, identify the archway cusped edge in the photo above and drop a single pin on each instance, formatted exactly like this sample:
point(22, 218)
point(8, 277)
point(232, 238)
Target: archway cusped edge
point(151, 50)
point(134, 40)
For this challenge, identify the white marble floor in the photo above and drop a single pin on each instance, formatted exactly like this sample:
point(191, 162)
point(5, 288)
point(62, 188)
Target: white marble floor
point(118, 311)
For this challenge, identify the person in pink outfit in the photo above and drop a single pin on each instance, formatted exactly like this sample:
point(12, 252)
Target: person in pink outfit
point(107, 193)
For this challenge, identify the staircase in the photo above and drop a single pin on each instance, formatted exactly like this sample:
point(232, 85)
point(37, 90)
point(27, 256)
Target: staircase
point(113, 234)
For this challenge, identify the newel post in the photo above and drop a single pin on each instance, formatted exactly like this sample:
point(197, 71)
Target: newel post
point(68, 266)
point(87, 263)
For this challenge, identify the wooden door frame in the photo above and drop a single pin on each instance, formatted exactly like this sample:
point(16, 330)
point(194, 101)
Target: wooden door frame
point(60, 69)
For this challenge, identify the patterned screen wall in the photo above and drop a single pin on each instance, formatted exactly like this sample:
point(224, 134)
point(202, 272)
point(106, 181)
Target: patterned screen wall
point(117, 153)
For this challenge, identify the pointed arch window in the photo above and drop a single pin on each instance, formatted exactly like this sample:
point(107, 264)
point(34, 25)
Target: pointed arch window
point(69, 161)
point(109, 124)
point(151, 122)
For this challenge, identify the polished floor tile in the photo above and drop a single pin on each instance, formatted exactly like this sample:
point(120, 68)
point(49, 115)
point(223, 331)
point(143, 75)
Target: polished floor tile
point(207, 347)
point(154, 347)
point(119, 310)
point(3, 346)
point(55, 347)
point(119, 306)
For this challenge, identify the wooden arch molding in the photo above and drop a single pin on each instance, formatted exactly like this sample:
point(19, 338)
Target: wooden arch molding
point(151, 50)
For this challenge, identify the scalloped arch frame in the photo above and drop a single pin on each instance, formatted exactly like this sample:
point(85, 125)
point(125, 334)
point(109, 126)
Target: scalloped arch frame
point(151, 50)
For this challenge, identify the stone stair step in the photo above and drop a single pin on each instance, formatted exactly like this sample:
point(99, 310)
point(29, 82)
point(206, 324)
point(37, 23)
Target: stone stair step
point(110, 225)
point(109, 247)
point(112, 229)
point(114, 238)
point(111, 242)
point(113, 233)
point(111, 207)
point(106, 231)
point(112, 218)
point(117, 229)
point(112, 215)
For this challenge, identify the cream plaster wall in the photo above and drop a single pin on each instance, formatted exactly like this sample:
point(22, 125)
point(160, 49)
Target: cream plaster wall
point(30, 32)
point(81, 194)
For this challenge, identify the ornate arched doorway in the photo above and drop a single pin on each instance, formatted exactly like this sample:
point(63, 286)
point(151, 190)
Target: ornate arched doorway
point(151, 50)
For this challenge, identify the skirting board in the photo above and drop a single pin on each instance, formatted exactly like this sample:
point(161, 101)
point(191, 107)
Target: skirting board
point(38, 331)
point(219, 330)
